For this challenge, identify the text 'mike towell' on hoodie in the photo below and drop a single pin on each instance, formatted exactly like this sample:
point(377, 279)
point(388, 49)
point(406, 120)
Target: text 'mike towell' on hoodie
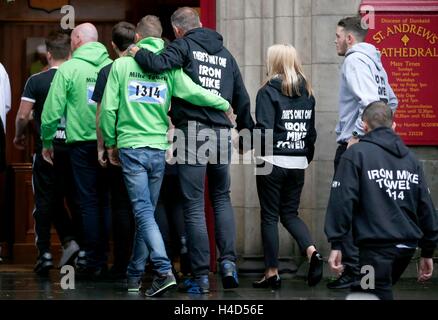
point(363, 80)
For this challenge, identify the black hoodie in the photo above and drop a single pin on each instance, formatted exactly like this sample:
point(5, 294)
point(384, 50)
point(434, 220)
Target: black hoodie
point(208, 63)
point(292, 120)
point(379, 189)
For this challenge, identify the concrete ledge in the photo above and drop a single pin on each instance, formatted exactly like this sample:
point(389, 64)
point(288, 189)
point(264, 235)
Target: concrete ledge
point(251, 265)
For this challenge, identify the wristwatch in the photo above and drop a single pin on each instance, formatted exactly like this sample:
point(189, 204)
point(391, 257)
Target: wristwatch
point(355, 134)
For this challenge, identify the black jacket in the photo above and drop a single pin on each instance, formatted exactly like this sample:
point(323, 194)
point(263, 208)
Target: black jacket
point(291, 118)
point(208, 63)
point(379, 188)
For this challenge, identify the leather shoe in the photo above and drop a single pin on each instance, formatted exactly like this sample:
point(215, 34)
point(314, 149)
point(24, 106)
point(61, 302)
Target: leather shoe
point(274, 282)
point(314, 275)
point(345, 281)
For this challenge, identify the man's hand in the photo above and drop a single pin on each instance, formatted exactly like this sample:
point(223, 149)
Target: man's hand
point(352, 141)
point(48, 155)
point(113, 156)
point(335, 261)
point(20, 142)
point(230, 114)
point(425, 269)
point(101, 156)
point(170, 159)
point(132, 50)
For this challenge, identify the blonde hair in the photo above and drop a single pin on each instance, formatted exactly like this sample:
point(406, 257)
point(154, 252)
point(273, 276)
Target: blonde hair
point(283, 62)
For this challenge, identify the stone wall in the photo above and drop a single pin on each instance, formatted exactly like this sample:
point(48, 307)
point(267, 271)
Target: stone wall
point(249, 27)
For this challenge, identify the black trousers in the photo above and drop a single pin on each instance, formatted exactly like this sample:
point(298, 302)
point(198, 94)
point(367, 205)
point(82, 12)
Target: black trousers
point(169, 213)
point(279, 194)
point(350, 253)
point(123, 226)
point(51, 185)
point(389, 263)
point(92, 190)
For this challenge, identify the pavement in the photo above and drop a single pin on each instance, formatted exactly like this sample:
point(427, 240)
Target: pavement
point(18, 282)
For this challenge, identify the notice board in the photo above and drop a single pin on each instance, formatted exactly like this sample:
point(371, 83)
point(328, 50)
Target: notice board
point(406, 34)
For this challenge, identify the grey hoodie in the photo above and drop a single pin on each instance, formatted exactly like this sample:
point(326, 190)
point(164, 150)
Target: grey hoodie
point(363, 80)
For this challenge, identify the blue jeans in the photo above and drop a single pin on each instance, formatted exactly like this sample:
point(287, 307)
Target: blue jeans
point(143, 170)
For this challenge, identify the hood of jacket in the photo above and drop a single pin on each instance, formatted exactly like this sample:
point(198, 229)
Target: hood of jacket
point(92, 52)
point(388, 140)
point(276, 83)
point(208, 39)
point(152, 44)
point(368, 50)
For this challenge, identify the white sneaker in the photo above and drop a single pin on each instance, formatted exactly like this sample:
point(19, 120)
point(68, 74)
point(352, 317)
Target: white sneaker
point(69, 253)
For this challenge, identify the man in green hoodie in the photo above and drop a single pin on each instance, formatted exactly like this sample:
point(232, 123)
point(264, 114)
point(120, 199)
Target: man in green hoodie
point(70, 95)
point(134, 119)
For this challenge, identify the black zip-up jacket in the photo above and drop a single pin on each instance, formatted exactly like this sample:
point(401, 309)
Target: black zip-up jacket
point(379, 189)
point(291, 118)
point(203, 57)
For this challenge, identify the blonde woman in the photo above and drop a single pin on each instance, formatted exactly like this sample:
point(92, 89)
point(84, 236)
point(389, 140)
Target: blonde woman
point(286, 106)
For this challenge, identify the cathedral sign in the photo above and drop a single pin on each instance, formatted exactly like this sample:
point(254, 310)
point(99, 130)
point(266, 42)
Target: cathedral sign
point(406, 33)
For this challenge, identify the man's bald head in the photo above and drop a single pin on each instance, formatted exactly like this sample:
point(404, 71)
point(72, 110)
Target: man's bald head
point(82, 34)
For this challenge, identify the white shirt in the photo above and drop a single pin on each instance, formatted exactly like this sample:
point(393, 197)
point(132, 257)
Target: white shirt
point(287, 162)
point(5, 95)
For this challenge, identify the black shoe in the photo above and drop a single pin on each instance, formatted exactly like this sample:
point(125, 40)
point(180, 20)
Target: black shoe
point(133, 284)
point(185, 267)
point(345, 281)
point(101, 273)
point(261, 284)
point(314, 275)
point(274, 282)
point(161, 284)
point(44, 264)
point(92, 273)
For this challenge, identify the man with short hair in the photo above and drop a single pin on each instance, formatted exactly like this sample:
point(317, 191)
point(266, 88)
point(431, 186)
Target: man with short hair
point(123, 35)
point(51, 184)
point(380, 192)
point(200, 52)
point(363, 80)
point(134, 120)
point(70, 95)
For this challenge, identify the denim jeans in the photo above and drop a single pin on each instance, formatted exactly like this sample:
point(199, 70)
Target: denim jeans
point(192, 179)
point(93, 198)
point(143, 170)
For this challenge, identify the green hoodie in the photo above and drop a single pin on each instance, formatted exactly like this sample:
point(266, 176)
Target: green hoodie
point(135, 104)
point(70, 95)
